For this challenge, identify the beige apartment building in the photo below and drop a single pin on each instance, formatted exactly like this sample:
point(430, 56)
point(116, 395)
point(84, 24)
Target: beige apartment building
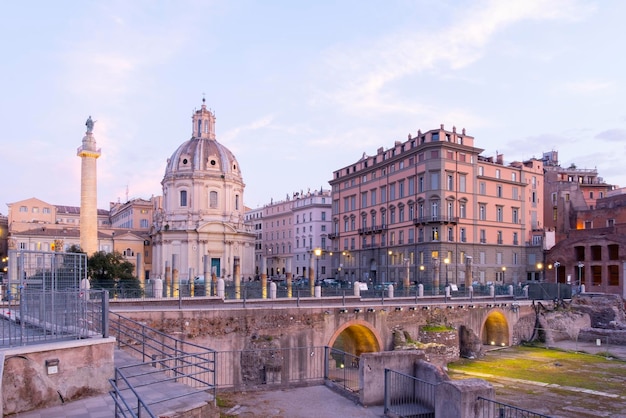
point(434, 210)
point(36, 225)
point(288, 232)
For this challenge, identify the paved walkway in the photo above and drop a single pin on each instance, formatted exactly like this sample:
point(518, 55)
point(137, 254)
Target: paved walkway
point(307, 402)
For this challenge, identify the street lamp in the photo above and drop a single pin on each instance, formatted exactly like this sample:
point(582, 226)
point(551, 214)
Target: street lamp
point(446, 262)
point(556, 271)
point(318, 252)
point(540, 268)
point(580, 273)
point(503, 274)
point(421, 273)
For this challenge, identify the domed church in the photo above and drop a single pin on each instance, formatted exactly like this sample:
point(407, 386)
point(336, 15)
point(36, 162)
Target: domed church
point(199, 227)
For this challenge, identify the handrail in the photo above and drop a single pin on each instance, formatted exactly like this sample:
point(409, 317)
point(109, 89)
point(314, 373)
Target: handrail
point(176, 360)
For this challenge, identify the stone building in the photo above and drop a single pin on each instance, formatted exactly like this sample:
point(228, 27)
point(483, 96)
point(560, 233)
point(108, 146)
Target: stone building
point(288, 233)
point(432, 209)
point(199, 227)
point(594, 253)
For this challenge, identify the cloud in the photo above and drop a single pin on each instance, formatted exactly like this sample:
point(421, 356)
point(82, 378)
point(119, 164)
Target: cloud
point(585, 87)
point(613, 135)
point(366, 70)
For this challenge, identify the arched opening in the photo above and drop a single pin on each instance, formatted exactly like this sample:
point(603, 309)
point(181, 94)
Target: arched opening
point(356, 338)
point(495, 330)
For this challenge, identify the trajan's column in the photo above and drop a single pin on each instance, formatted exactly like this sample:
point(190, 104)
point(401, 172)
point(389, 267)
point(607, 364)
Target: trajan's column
point(88, 191)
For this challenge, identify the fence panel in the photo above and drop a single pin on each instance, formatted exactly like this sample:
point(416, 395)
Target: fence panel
point(488, 408)
point(408, 396)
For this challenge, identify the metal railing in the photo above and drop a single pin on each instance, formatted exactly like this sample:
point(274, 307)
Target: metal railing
point(190, 375)
point(343, 370)
point(408, 396)
point(37, 316)
point(488, 408)
point(165, 359)
point(265, 366)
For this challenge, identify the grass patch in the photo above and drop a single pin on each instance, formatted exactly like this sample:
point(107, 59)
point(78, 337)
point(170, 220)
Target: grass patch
point(548, 366)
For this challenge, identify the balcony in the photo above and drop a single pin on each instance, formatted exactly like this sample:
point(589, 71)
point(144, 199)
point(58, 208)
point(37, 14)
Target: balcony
point(436, 219)
point(333, 235)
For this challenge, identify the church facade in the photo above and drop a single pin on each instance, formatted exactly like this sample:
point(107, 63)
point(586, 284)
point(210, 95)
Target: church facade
point(199, 226)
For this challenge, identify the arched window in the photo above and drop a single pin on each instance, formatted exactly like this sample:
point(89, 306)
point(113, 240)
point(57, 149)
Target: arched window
point(213, 199)
point(183, 198)
point(236, 202)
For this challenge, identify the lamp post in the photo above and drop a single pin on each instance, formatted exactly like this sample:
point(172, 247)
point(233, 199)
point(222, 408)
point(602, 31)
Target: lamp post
point(421, 273)
point(503, 274)
point(580, 274)
point(318, 252)
point(556, 271)
point(540, 268)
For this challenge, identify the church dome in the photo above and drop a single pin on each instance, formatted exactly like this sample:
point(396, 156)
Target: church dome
point(202, 154)
point(202, 178)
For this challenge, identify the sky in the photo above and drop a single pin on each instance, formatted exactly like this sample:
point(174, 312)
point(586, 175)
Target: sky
point(300, 88)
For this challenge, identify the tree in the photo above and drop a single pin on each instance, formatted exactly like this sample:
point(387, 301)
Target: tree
point(112, 272)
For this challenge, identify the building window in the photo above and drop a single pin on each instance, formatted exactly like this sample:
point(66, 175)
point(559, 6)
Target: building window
point(434, 180)
point(323, 216)
point(364, 200)
point(613, 251)
point(462, 210)
point(383, 194)
point(435, 234)
point(420, 185)
point(401, 214)
point(499, 237)
point(499, 210)
point(497, 173)
point(613, 271)
point(434, 210)
point(213, 199)
point(373, 196)
point(515, 215)
point(143, 223)
point(499, 191)
point(23, 209)
point(463, 235)
point(483, 236)
point(450, 234)
point(462, 182)
point(46, 210)
point(482, 211)
point(236, 202)
point(401, 189)
point(183, 198)
point(450, 182)
point(515, 238)
point(596, 253)
point(482, 186)
point(392, 191)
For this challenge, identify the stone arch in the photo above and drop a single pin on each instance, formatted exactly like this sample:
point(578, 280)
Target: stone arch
point(356, 337)
point(495, 329)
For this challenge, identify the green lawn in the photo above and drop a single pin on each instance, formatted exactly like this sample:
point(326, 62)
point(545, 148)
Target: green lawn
point(549, 366)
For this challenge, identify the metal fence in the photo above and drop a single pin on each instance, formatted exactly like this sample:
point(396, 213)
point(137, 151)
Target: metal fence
point(185, 376)
point(408, 396)
point(488, 408)
point(343, 370)
point(41, 316)
point(270, 366)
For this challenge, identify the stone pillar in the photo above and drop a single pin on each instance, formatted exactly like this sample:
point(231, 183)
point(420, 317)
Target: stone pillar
point(436, 276)
point(237, 273)
point(168, 278)
point(356, 288)
point(407, 281)
point(420, 290)
point(468, 272)
point(140, 270)
point(175, 275)
point(390, 291)
point(289, 277)
point(220, 288)
point(206, 273)
point(264, 277)
point(272, 290)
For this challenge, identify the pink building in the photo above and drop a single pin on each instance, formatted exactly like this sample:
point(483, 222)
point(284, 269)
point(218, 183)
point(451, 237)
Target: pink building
point(433, 210)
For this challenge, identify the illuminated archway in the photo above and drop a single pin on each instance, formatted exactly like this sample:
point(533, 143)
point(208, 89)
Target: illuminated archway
point(356, 337)
point(495, 329)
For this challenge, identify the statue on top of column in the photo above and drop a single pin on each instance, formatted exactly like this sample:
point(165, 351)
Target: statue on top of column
point(89, 124)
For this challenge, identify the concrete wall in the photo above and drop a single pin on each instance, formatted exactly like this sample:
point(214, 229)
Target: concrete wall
point(372, 372)
point(457, 398)
point(83, 369)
